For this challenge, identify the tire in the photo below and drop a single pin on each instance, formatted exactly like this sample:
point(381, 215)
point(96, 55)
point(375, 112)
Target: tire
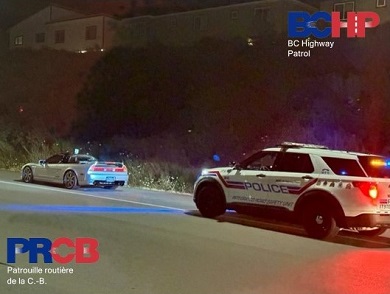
point(373, 233)
point(70, 180)
point(319, 221)
point(27, 175)
point(210, 201)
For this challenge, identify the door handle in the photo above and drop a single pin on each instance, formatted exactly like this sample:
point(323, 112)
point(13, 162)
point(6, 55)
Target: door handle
point(307, 177)
point(260, 175)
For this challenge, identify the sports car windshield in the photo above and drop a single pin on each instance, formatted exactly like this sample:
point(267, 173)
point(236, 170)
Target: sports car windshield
point(375, 166)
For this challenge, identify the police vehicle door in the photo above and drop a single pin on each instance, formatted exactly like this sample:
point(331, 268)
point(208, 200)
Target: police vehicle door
point(292, 175)
point(253, 174)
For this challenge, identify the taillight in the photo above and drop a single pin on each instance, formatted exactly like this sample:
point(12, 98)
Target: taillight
point(120, 169)
point(368, 189)
point(96, 168)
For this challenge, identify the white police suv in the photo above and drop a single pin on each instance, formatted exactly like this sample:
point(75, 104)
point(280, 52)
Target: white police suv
point(323, 189)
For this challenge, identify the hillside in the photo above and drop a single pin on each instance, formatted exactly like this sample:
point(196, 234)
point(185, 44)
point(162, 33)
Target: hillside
point(38, 89)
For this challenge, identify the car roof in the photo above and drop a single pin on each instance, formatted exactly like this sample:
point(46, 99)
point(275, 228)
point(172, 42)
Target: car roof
point(320, 151)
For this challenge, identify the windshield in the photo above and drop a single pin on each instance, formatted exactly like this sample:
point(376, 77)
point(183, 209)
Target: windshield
point(375, 166)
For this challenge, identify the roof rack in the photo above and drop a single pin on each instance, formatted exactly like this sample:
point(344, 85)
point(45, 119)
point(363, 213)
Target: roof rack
point(287, 145)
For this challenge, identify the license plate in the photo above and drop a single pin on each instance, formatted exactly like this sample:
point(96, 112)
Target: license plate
point(110, 179)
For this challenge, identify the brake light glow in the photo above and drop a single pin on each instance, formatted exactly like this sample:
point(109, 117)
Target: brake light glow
point(368, 189)
point(373, 191)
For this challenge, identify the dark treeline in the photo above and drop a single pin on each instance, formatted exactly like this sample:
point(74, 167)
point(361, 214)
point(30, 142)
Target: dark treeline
point(185, 104)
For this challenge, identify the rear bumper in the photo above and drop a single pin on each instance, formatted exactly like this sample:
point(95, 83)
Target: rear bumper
point(105, 183)
point(100, 179)
point(369, 220)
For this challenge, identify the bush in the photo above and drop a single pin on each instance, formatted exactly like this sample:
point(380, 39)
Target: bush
point(18, 148)
point(161, 175)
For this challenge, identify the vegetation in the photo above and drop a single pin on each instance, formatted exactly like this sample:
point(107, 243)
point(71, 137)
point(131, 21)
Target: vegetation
point(167, 111)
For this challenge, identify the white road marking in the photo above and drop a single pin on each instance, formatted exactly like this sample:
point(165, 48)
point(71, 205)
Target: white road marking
point(149, 204)
point(89, 195)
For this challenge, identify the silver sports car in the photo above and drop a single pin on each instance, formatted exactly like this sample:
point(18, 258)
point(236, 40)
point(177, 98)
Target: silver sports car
point(76, 170)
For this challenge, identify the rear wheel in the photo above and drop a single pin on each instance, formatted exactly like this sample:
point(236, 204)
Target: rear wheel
point(70, 179)
point(27, 175)
point(372, 233)
point(319, 221)
point(210, 201)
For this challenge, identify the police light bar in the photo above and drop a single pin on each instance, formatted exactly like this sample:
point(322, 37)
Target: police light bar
point(301, 145)
point(380, 162)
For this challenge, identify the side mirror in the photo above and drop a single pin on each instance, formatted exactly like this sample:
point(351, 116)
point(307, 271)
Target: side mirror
point(42, 162)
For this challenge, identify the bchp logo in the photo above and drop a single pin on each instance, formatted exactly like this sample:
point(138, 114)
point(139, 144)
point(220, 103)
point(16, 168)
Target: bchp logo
point(85, 249)
point(302, 25)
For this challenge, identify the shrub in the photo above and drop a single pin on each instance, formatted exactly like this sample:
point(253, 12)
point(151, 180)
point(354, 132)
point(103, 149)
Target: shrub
point(161, 175)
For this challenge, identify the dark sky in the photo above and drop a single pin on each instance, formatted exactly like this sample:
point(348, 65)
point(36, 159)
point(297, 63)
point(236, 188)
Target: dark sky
point(12, 11)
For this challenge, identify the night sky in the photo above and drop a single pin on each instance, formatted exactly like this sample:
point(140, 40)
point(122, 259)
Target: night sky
point(12, 11)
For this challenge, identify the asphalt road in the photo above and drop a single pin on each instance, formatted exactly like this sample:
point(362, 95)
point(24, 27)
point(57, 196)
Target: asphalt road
point(153, 242)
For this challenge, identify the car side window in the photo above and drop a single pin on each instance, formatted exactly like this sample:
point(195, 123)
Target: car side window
point(55, 159)
point(261, 161)
point(294, 162)
point(72, 159)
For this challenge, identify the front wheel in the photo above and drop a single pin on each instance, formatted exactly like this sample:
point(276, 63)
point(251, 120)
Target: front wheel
point(319, 222)
point(70, 180)
point(372, 233)
point(27, 175)
point(210, 201)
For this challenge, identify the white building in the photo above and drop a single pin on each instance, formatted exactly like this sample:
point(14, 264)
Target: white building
point(61, 28)
point(65, 29)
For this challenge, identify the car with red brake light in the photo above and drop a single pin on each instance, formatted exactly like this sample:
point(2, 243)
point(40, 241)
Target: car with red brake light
point(74, 170)
point(325, 190)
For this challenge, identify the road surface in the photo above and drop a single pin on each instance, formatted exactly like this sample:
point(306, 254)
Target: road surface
point(155, 242)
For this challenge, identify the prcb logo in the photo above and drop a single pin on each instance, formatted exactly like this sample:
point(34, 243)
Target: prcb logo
point(301, 24)
point(85, 249)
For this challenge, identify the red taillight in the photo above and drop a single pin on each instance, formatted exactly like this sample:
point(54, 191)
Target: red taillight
point(373, 191)
point(96, 168)
point(120, 169)
point(368, 189)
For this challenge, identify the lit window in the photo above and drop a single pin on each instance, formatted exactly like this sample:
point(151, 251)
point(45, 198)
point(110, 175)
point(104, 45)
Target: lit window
point(59, 36)
point(344, 8)
point(40, 38)
point(91, 33)
point(18, 41)
point(380, 3)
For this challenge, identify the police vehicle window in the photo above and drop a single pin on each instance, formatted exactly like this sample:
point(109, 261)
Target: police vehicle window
point(344, 167)
point(375, 166)
point(263, 161)
point(55, 158)
point(295, 163)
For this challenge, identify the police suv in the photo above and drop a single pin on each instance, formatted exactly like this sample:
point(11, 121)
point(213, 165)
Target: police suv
point(323, 189)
